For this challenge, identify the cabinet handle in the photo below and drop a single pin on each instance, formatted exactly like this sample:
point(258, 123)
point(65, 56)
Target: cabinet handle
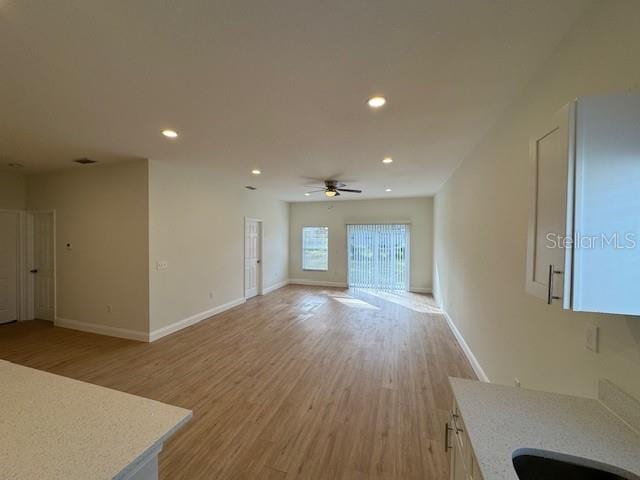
point(447, 429)
point(454, 421)
point(550, 296)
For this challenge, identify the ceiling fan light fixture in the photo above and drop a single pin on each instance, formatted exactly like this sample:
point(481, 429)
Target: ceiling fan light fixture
point(167, 132)
point(330, 193)
point(377, 101)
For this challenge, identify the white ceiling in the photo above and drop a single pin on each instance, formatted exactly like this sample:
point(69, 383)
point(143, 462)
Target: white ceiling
point(276, 85)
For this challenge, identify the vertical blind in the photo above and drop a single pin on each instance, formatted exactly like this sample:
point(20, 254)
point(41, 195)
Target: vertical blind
point(315, 248)
point(378, 256)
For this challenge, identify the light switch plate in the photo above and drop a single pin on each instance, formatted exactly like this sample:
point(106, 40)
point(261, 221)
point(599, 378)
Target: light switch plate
point(591, 339)
point(162, 265)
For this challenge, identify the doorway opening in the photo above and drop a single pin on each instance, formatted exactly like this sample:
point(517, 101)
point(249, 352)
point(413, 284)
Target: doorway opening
point(252, 257)
point(378, 256)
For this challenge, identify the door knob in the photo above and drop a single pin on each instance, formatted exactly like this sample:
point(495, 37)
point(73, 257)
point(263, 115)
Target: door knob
point(257, 261)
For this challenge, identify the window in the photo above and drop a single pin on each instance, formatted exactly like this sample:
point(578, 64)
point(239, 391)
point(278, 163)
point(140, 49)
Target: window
point(378, 256)
point(315, 248)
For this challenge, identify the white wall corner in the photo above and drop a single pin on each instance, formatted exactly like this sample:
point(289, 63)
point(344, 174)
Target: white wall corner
point(193, 319)
point(101, 329)
point(475, 364)
point(275, 286)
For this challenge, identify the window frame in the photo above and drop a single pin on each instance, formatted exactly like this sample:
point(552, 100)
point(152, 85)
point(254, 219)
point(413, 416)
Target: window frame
point(302, 249)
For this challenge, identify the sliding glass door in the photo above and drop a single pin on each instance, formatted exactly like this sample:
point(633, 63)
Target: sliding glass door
point(378, 256)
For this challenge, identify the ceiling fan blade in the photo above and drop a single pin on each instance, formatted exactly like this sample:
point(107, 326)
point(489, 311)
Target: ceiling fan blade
point(349, 190)
point(316, 191)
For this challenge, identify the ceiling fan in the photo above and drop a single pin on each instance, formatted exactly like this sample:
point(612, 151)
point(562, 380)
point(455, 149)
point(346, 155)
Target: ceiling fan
point(332, 188)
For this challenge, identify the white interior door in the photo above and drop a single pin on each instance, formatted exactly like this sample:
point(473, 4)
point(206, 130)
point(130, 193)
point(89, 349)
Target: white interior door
point(8, 266)
point(252, 257)
point(42, 268)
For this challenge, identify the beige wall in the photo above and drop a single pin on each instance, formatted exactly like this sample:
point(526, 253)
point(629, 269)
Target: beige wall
point(102, 210)
point(197, 226)
point(336, 214)
point(13, 191)
point(481, 227)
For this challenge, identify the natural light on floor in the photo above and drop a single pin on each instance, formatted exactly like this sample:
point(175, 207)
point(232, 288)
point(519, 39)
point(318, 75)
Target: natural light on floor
point(354, 303)
point(414, 301)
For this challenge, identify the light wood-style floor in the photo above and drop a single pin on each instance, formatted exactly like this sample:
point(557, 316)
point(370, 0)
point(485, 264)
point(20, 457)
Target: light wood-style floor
point(305, 383)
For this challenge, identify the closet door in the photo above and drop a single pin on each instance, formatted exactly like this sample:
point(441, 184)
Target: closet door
point(43, 266)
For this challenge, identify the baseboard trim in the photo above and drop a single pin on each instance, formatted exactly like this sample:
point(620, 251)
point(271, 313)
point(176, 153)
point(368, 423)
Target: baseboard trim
point(465, 348)
point(316, 283)
point(420, 290)
point(193, 319)
point(101, 329)
point(275, 286)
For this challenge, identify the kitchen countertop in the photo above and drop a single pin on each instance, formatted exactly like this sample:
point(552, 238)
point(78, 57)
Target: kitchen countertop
point(53, 427)
point(500, 420)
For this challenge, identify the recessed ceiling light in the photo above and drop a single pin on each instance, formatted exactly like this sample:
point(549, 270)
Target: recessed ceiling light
point(387, 189)
point(376, 102)
point(387, 160)
point(255, 171)
point(307, 194)
point(169, 133)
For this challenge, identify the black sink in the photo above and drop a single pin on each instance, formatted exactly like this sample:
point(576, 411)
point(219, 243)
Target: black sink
point(534, 466)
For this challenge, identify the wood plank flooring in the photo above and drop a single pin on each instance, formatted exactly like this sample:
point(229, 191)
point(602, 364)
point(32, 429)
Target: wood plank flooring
point(303, 383)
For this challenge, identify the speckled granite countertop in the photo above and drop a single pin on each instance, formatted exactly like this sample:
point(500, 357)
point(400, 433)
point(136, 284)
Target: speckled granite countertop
point(501, 420)
point(53, 427)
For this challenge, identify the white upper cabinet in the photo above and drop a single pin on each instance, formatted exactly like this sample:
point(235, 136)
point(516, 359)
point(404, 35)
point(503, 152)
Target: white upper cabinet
point(584, 222)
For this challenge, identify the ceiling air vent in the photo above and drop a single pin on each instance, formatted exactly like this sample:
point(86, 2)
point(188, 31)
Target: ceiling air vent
point(85, 161)
point(250, 187)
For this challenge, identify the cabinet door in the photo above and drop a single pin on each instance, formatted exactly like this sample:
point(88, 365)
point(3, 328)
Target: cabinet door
point(458, 467)
point(551, 153)
point(607, 205)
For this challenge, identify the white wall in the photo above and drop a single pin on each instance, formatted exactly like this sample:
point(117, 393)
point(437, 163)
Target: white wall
point(336, 214)
point(196, 224)
point(13, 191)
point(103, 211)
point(481, 227)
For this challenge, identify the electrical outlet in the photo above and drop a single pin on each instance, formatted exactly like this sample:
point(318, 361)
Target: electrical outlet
point(591, 337)
point(162, 265)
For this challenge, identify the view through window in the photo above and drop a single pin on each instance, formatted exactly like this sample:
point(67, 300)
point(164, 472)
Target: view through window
point(378, 256)
point(315, 248)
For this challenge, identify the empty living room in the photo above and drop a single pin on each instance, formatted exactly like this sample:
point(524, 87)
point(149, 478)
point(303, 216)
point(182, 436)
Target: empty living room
point(392, 240)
